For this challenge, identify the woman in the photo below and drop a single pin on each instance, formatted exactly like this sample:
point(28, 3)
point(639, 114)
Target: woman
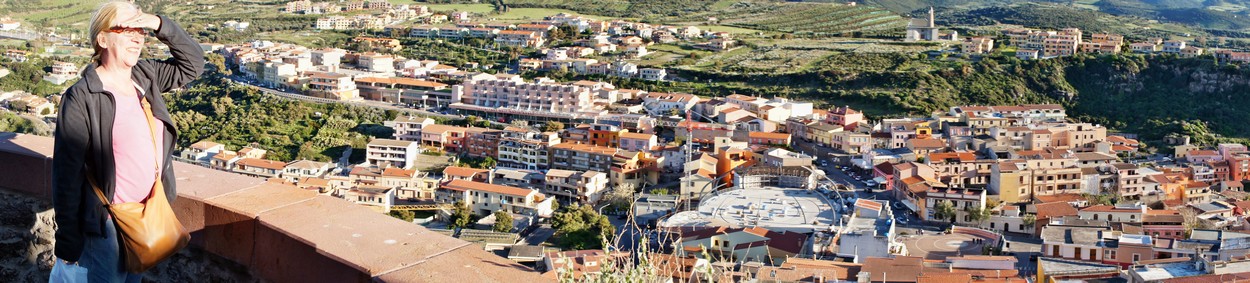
point(104, 135)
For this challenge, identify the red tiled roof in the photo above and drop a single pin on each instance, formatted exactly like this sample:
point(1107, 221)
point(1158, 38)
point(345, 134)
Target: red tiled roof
point(1059, 198)
point(402, 81)
point(928, 143)
point(1203, 152)
point(267, 164)
point(944, 278)
point(772, 136)
point(466, 185)
point(1055, 209)
point(462, 171)
point(1108, 208)
point(868, 204)
point(898, 269)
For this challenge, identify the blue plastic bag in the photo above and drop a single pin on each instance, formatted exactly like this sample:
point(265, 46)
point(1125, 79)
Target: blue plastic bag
point(67, 273)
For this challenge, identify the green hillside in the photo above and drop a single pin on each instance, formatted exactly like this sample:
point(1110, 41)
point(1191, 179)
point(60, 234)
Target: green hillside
point(1129, 93)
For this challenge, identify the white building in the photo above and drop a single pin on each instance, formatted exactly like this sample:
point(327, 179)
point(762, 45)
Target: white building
point(377, 63)
point(661, 104)
point(509, 94)
point(202, 151)
point(525, 150)
point(300, 169)
point(870, 232)
point(392, 153)
point(572, 186)
point(484, 199)
point(652, 74)
point(408, 128)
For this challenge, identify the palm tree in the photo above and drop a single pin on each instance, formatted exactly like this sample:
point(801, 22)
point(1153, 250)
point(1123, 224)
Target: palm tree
point(944, 210)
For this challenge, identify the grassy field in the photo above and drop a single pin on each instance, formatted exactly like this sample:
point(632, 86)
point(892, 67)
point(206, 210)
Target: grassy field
point(71, 14)
point(11, 43)
point(658, 58)
point(525, 15)
point(471, 8)
point(728, 29)
point(822, 18)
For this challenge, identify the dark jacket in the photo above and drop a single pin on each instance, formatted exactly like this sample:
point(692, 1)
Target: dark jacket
point(84, 137)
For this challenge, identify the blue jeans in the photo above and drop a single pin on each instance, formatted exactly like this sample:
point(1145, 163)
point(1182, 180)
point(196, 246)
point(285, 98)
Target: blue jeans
point(101, 256)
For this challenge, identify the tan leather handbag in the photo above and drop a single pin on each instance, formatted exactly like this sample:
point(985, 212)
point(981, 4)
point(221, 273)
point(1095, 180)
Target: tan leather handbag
point(149, 230)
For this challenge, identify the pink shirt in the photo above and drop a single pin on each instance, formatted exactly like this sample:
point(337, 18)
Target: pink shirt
point(134, 158)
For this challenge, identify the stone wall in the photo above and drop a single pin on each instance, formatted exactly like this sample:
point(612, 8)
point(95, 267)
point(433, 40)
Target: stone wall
point(26, 242)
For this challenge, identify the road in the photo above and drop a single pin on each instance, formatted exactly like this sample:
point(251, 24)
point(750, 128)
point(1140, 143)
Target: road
point(365, 103)
point(1024, 248)
point(540, 234)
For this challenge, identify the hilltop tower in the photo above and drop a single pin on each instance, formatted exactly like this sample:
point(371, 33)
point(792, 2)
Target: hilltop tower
point(931, 22)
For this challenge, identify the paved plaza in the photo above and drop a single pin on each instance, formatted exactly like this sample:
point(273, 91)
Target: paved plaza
point(776, 209)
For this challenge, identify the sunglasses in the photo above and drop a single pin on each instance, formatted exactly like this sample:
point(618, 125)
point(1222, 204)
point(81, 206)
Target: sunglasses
point(127, 31)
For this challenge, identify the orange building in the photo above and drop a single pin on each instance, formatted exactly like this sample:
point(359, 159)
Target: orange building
point(605, 135)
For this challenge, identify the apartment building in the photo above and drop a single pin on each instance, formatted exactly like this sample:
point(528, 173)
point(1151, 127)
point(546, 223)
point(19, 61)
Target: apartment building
point(444, 137)
point(512, 95)
point(333, 86)
point(526, 150)
point(301, 169)
point(637, 141)
point(978, 45)
point(625, 168)
point(584, 187)
point(1018, 181)
point(384, 153)
point(652, 74)
point(1103, 43)
point(520, 38)
point(328, 57)
point(202, 151)
point(377, 44)
point(485, 199)
point(259, 167)
point(378, 63)
point(408, 128)
point(403, 90)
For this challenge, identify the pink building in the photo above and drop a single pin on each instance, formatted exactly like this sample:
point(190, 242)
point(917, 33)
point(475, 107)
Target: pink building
point(844, 116)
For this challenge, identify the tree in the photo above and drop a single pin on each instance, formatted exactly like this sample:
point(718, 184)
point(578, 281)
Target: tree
point(581, 227)
point(675, 111)
point(978, 215)
point(1099, 199)
point(944, 210)
point(553, 126)
point(405, 215)
point(1029, 219)
point(992, 203)
point(461, 217)
point(503, 221)
point(1191, 220)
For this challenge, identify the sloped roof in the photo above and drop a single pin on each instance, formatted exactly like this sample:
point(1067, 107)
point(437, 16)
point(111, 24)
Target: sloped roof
point(1055, 209)
point(466, 185)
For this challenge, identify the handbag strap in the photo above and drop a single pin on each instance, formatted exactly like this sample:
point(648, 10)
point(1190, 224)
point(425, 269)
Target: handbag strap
point(151, 119)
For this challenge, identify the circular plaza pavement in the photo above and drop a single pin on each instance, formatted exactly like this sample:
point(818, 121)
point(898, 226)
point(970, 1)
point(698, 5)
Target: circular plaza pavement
point(941, 246)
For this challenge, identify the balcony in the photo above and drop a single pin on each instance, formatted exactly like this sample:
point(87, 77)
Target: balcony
point(247, 229)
